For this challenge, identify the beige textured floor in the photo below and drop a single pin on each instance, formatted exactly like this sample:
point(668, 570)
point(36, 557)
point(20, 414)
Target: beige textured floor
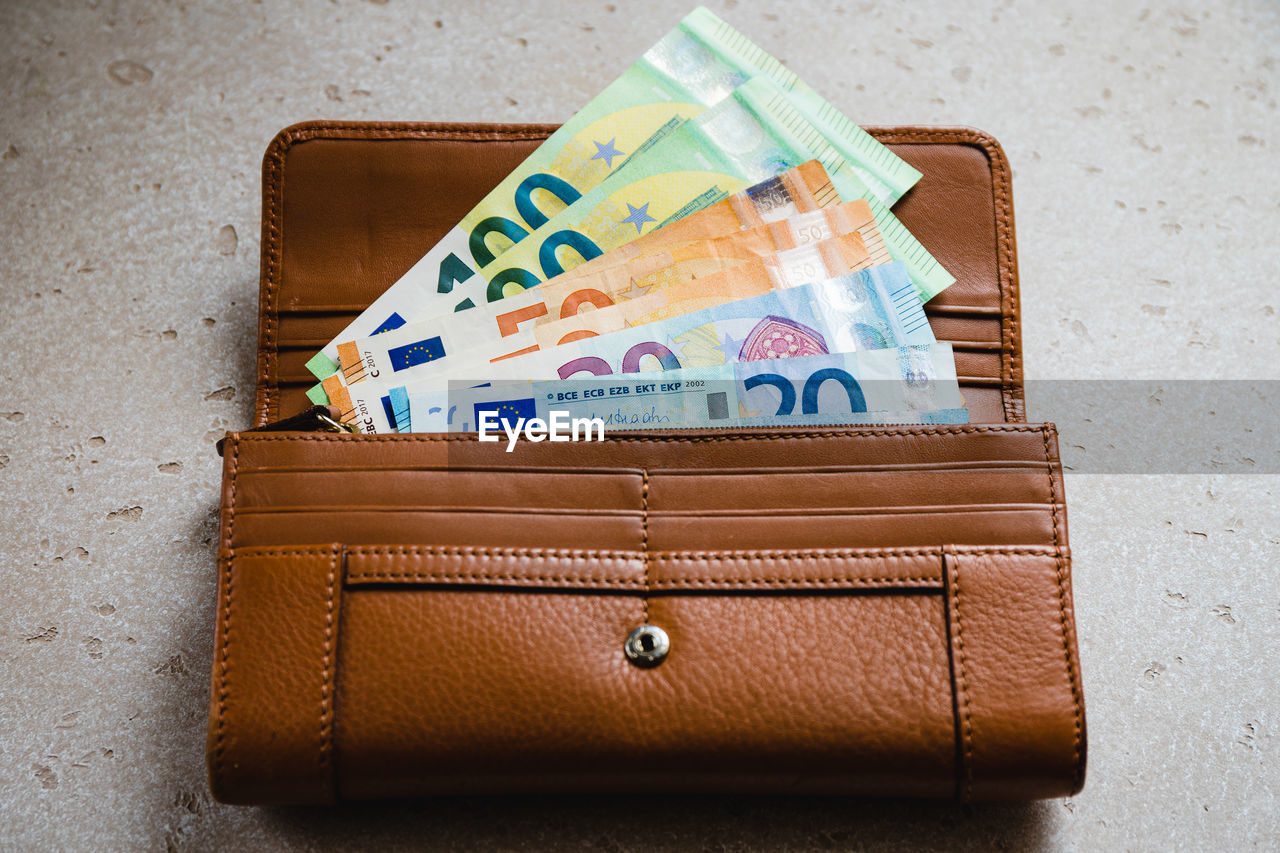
point(1143, 138)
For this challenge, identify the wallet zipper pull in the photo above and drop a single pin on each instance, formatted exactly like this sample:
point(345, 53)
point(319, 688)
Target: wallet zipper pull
point(314, 419)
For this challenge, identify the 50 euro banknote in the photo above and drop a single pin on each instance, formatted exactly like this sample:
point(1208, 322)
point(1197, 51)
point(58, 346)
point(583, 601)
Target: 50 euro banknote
point(602, 287)
point(693, 67)
point(900, 385)
point(872, 309)
point(796, 207)
point(790, 268)
point(597, 282)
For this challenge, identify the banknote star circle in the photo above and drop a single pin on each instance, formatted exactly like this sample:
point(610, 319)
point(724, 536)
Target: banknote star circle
point(638, 216)
point(730, 348)
point(606, 152)
point(636, 290)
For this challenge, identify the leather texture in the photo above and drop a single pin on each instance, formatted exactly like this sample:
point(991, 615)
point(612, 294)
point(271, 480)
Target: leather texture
point(865, 611)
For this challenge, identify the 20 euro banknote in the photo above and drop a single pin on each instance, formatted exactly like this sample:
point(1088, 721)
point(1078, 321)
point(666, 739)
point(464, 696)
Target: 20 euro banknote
point(903, 384)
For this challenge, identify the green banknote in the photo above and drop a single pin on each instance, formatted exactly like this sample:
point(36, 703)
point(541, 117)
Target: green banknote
point(755, 132)
point(694, 66)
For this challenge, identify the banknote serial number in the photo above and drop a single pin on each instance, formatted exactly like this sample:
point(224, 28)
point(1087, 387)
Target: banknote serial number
point(626, 390)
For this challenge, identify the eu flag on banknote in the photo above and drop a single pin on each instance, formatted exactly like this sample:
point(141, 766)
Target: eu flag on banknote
point(509, 412)
point(418, 352)
point(395, 321)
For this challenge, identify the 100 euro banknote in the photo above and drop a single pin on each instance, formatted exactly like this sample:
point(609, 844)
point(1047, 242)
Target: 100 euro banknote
point(753, 133)
point(693, 67)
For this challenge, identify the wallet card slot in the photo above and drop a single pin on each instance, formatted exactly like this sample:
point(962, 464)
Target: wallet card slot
point(975, 346)
point(870, 487)
point(902, 529)
point(311, 344)
point(426, 489)
point(861, 487)
point(394, 526)
point(954, 329)
point(971, 365)
point(937, 308)
point(295, 326)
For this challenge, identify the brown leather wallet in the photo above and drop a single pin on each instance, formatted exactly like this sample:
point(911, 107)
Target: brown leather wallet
point(859, 610)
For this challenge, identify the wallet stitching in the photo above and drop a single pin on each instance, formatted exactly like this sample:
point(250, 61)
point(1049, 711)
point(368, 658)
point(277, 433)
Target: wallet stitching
point(227, 580)
point(596, 554)
point(231, 510)
point(223, 689)
point(644, 539)
point(1062, 611)
point(415, 130)
point(967, 725)
point(670, 583)
point(634, 583)
point(271, 275)
point(1004, 254)
point(771, 436)
point(328, 671)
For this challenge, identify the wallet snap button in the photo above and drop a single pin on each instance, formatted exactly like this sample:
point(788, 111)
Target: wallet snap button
point(647, 646)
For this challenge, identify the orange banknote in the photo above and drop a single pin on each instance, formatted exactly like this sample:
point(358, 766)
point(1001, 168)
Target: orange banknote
point(755, 277)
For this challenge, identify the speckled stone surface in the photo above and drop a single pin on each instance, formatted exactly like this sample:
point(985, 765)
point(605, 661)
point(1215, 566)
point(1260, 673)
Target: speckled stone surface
point(1143, 140)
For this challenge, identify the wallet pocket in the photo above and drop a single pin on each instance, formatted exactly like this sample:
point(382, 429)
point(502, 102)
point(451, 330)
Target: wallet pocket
point(858, 611)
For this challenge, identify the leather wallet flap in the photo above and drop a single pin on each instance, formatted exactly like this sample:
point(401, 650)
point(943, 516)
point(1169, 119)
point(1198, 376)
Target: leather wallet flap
point(902, 591)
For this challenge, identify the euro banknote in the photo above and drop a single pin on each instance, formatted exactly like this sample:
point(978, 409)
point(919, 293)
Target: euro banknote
point(601, 286)
point(369, 409)
point(824, 259)
point(693, 67)
point(900, 385)
point(668, 245)
point(787, 203)
point(752, 133)
point(872, 309)
point(806, 188)
point(887, 175)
